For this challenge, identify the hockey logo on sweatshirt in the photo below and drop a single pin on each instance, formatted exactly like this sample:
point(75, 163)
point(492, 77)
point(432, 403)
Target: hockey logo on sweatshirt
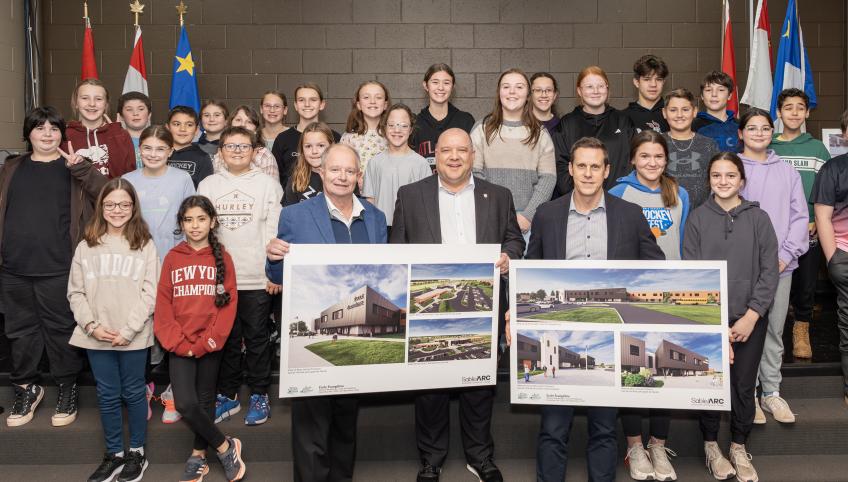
point(235, 209)
point(659, 220)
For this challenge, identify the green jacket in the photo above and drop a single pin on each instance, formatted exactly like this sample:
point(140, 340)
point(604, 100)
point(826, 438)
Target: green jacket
point(807, 155)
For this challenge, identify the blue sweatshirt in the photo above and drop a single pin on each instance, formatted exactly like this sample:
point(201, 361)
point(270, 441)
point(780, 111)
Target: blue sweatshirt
point(726, 134)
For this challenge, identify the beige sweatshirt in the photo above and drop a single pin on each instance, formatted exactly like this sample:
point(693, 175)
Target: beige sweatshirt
point(115, 286)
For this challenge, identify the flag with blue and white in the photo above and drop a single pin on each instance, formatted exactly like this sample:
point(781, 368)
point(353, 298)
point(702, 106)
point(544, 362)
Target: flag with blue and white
point(184, 79)
point(792, 68)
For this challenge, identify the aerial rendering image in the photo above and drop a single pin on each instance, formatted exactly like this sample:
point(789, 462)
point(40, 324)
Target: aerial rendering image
point(443, 339)
point(451, 288)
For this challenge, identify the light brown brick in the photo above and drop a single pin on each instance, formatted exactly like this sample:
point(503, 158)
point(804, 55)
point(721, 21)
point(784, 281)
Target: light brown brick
point(376, 11)
point(671, 10)
point(336, 112)
point(210, 86)
point(646, 35)
point(327, 11)
point(426, 11)
point(419, 60)
point(249, 85)
point(695, 35)
point(537, 11)
point(400, 36)
point(377, 61)
point(594, 35)
point(465, 85)
point(224, 61)
point(477, 107)
point(226, 12)
point(61, 37)
point(163, 12)
point(439, 36)
point(272, 61)
point(279, 12)
point(556, 36)
point(117, 13)
point(823, 59)
point(350, 36)
point(402, 85)
point(528, 60)
point(340, 86)
point(487, 85)
point(250, 36)
point(498, 36)
point(112, 37)
point(204, 37)
point(476, 60)
point(288, 82)
point(474, 11)
point(572, 60)
point(610, 11)
point(327, 61)
point(300, 36)
point(160, 37)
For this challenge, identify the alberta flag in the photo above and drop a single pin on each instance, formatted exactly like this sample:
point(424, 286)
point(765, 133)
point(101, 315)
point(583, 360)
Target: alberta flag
point(792, 68)
point(184, 80)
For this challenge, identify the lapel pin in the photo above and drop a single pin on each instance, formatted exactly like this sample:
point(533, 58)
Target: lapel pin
point(485, 196)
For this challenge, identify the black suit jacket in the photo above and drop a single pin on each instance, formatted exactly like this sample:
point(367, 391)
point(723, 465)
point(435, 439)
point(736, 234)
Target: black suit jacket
point(417, 216)
point(628, 234)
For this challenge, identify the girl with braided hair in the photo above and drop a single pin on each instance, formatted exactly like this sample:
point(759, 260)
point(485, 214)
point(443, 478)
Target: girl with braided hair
point(195, 309)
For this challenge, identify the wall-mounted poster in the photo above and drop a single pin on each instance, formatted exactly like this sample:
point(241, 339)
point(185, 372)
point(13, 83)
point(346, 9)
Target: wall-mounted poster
point(835, 142)
point(364, 318)
point(620, 334)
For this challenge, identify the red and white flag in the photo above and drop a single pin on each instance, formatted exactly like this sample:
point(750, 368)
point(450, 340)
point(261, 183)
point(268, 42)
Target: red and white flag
point(89, 64)
point(136, 79)
point(728, 58)
point(759, 89)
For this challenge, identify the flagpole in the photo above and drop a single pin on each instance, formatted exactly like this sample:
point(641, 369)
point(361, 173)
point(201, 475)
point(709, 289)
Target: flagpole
point(182, 9)
point(136, 8)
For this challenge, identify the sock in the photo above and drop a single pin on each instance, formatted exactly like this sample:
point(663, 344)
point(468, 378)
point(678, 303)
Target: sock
point(120, 454)
point(139, 450)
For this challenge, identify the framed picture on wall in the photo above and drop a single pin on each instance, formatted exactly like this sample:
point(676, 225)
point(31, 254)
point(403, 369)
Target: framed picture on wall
point(835, 142)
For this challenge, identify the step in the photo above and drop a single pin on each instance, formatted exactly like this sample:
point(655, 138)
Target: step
point(818, 468)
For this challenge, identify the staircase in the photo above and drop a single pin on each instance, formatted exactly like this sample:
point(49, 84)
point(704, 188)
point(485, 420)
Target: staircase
point(814, 449)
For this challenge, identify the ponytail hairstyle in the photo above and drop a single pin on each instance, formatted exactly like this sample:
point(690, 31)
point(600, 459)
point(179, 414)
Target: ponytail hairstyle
point(158, 132)
point(382, 129)
point(492, 122)
point(135, 231)
point(302, 170)
point(356, 120)
point(222, 297)
point(668, 184)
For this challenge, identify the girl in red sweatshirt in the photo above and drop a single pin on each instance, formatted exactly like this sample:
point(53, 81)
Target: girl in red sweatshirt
point(195, 309)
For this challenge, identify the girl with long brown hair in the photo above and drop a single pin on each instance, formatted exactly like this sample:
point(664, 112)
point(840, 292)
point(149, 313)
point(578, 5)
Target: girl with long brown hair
point(305, 181)
point(368, 109)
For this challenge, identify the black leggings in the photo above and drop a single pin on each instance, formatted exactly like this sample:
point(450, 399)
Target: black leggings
point(193, 381)
point(631, 422)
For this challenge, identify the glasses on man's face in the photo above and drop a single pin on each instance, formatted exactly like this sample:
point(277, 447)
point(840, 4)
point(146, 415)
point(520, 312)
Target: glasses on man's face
point(272, 107)
point(237, 147)
point(759, 129)
point(159, 151)
point(399, 126)
point(539, 91)
point(110, 206)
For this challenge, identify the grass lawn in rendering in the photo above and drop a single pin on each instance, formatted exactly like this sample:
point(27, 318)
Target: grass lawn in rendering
point(706, 314)
point(358, 352)
point(583, 314)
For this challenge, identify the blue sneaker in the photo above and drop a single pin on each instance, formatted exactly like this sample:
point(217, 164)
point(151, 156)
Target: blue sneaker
point(226, 407)
point(258, 410)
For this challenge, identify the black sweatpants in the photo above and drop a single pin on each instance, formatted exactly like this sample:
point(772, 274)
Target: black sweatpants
point(251, 325)
point(432, 425)
point(631, 422)
point(193, 382)
point(803, 293)
point(39, 318)
point(743, 380)
point(324, 438)
point(838, 269)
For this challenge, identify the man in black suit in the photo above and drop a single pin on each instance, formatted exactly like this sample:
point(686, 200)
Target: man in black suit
point(454, 208)
point(586, 223)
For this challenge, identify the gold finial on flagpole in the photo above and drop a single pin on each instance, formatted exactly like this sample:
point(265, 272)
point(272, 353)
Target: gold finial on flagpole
point(136, 8)
point(181, 9)
point(85, 10)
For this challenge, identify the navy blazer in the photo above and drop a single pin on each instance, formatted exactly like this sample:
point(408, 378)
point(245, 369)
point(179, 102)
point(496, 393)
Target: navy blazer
point(308, 222)
point(628, 234)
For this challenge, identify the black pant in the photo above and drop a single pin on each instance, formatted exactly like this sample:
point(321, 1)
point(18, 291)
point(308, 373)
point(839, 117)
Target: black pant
point(324, 438)
point(552, 446)
point(743, 379)
point(193, 382)
point(251, 325)
point(838, 269)
point(39, 318)
point(631, 422)
point(432, 425)
point(804, 279)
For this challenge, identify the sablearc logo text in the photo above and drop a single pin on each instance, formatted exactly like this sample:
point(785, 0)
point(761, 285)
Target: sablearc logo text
point(477, 379)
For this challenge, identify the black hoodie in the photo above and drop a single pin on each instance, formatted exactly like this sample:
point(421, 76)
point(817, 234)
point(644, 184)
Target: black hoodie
point(647, 119)
point(428, 130)
point(193, 160)
point(612, 127)
point(745, 238)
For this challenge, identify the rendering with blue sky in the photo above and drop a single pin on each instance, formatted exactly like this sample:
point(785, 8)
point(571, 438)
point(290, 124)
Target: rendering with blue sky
point(449, 326)
point(600, 344)
point(452, 271)
point(533, 279)
point(707, 344)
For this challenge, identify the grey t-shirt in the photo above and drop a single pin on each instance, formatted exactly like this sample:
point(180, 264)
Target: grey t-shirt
point(688, 161)
point(386, 173)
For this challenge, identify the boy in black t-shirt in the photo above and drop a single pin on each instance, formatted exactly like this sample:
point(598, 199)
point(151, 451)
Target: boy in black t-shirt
point(182, 124)
point(649, 74)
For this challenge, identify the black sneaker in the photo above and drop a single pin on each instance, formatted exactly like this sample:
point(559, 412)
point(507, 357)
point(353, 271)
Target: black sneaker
point(195, 469)
point(108, 469)
point(231, 461)
point(428, 473)
point(66, 405)
point(486, 471)
point(23, 408)
point(136, 464)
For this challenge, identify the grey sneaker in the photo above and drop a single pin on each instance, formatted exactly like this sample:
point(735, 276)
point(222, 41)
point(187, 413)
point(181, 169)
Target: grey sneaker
point(741, 460)
point(663, 469)
point(639, 463)
point(778, 408)
point(717, 464)
point(759, 416)
point(234, 467)
point(195, 469)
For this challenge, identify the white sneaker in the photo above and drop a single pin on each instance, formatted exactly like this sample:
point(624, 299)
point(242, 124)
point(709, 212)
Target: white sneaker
point(170, 414)
point(741, 460)
point(759, 416)
point(639, 462)
point(717, 464)
point(779, 409)
point(663, 470)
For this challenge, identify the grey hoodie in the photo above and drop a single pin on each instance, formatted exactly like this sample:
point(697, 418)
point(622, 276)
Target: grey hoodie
point(745, 238)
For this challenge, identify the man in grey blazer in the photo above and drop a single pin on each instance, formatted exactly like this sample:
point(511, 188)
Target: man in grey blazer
point(452, 207)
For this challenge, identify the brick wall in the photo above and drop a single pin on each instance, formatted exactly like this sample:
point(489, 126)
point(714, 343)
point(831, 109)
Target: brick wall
point(11, 74)
point(243, 47)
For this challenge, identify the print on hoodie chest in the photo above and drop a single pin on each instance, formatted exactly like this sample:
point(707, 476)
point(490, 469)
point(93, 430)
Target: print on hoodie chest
point(659, 220)
point(112, 265)
point(235, 209)
point(99, 155)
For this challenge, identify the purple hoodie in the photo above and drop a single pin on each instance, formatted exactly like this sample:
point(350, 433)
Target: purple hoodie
point(777, 187)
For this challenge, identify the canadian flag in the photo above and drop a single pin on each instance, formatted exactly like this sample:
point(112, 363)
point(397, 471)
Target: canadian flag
point(728, 58)
point(89, 64)
point(759, 89)
point(136, 79)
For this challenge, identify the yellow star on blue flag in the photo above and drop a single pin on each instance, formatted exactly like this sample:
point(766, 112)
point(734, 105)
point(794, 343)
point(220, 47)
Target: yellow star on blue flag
point(183, 81)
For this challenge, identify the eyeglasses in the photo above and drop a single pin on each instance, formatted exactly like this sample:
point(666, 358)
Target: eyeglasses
point(110, 206)
point(237, 147)
point(759, 129)
point(539, 91)
point(399, 126)
point(154, 150)
point(273, 106)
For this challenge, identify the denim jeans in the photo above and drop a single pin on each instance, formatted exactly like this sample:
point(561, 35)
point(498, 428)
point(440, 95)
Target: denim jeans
point(120, 378)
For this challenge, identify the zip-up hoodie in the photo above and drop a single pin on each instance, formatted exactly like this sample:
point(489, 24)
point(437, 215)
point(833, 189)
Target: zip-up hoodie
point(744, 237)
point(726, 133)
point(667, 224)
point(109, 147)
point(807, 155)
point(647, 119)
point(248, 208)
point(428, 130)
point(777, 187)
point(115, 286)
point(186, 317)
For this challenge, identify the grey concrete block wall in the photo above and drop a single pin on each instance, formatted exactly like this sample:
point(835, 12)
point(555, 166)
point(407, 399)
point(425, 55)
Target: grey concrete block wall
point(12, 74)
point(243, 47)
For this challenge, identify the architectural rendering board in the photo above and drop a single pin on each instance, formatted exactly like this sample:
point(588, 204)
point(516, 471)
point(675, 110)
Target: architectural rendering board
point(403, 317)
point(619, 333)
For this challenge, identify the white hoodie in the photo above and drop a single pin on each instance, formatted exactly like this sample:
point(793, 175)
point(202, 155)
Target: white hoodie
point(248, 208)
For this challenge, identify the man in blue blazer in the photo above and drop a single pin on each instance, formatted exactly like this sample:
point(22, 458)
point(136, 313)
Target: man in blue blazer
point(324, 428)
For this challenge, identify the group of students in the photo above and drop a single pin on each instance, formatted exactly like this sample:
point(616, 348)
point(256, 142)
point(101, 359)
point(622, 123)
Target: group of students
point(154, 239)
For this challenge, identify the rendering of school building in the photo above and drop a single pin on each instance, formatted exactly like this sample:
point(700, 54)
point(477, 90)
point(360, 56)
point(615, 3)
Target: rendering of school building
point(363, 312)
point(614, 295)
point(668, 359)
point(529, 352)
point(690, 297)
